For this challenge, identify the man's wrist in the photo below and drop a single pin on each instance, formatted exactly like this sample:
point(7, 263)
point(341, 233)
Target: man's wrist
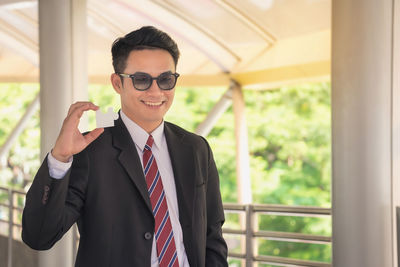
point(58, 169)
point(59, 157)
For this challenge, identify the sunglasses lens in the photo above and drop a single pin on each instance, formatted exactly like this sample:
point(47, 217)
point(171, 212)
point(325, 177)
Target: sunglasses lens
point(166, 81)
point(142, 81)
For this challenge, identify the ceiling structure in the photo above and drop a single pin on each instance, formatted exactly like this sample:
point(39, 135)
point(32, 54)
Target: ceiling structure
point(259, 43)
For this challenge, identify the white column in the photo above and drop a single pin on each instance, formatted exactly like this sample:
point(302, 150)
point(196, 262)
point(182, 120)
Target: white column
point(242, 146)
point(63, 80)
point(362, 127)
point(216, 112)
point(396, 126)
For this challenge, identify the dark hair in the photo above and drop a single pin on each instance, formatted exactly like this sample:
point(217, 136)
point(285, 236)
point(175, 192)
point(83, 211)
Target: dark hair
point(147, 37)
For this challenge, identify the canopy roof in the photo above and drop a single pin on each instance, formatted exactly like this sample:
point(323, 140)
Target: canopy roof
point(258, 43)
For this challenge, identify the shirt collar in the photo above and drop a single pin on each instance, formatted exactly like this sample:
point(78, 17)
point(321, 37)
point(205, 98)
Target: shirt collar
point(140, 136)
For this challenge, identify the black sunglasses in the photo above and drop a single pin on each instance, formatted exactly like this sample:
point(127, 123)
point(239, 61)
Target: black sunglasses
point(142, 81)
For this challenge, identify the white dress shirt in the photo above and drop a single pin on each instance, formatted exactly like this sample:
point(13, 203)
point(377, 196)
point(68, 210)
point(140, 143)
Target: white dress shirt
point(139, 136)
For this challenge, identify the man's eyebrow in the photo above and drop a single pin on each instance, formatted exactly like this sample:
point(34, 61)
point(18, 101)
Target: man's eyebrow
point(141, 72)
point(166, 72)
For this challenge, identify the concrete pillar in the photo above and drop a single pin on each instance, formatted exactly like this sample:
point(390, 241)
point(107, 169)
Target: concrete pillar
point(362, 133)
point(396, 128)
point(63, 80)
point(242, 146)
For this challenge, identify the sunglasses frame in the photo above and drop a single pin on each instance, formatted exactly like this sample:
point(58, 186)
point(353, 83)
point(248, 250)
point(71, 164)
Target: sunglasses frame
point(132, 76)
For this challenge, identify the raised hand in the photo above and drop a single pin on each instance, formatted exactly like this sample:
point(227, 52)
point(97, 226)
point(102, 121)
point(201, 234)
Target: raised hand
point(71, 141)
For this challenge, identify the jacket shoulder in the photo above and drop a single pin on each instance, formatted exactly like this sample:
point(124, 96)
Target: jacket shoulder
point(185, 135)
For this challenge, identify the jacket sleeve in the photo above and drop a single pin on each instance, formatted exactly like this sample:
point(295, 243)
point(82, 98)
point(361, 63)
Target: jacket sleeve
point(53, 205)
point(216, 248)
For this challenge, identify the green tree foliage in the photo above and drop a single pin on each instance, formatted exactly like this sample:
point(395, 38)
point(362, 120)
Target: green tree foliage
point(289, 139)
point(23, 159)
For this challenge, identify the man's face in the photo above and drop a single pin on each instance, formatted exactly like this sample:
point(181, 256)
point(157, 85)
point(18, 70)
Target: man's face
point(146, 108)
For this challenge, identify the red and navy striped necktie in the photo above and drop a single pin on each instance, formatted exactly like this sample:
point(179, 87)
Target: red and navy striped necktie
point(165, 242)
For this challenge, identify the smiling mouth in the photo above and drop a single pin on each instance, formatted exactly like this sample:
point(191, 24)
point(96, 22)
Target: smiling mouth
point(153, 104)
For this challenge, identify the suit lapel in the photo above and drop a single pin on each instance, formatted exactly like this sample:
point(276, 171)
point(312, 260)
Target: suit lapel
point(129, 159)
point(182, 160)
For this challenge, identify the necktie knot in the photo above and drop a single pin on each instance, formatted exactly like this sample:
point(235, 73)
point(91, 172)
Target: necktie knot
point(149, 143)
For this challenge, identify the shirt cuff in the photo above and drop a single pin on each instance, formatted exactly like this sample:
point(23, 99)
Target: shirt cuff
point(58, 169)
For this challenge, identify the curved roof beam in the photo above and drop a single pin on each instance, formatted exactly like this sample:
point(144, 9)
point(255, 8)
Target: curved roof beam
point(97, 12)
point(171, 8)
point(17, 31)
point(248, 21)
point(26, 18)
point(17, 4)
point(200, 38)
point(18, 42)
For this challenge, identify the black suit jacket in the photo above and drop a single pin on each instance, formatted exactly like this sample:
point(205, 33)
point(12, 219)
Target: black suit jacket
point(105, 193)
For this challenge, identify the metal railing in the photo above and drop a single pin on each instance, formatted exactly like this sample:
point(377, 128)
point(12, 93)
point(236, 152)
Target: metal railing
point(13, 210)
point(248, 232)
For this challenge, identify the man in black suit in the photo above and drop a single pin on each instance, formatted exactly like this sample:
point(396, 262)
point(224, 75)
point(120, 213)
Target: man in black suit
point(98, 179)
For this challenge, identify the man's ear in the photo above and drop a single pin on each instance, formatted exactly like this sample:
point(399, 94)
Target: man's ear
point(116, 82)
